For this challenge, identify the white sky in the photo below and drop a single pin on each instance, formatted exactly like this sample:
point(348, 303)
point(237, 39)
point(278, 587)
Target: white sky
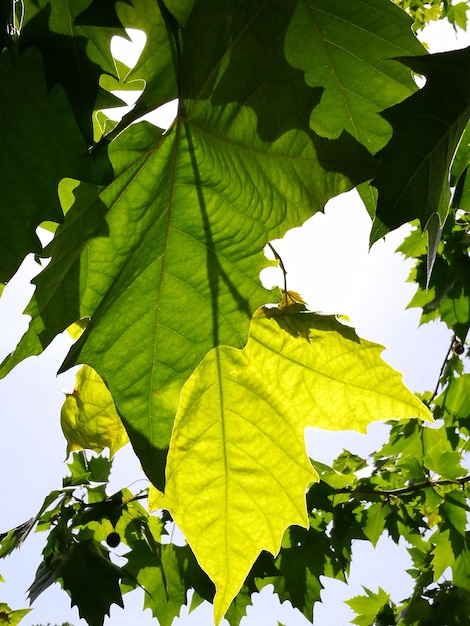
point(329, 264)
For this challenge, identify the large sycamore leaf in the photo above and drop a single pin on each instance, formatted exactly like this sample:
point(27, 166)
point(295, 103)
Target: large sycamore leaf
point(166, 259)
point(354, 44)
point(237, 470)
point(414, 180)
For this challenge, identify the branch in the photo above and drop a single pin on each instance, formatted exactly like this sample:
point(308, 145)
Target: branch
point(441, 373)
point(388, 493)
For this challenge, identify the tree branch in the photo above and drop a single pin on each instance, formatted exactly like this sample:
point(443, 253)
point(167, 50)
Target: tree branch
point(388, 493)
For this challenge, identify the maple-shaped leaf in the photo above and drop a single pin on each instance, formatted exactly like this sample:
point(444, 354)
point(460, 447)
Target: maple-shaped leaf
point(89, 418)
point(74, 39)
point(354, 45)
point(159, 575)
point(33, 115)
point(414, 181)
point(304, 557)
point(237, 456)
point(371, 607)
point(91, 580)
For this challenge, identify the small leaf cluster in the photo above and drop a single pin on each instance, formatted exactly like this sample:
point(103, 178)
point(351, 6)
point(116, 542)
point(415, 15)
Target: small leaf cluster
point(86, 526)
point(423, 12)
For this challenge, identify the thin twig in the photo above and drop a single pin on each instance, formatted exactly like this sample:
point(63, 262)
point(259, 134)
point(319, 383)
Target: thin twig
point(281, 265)
point(441, 373)
point(404, 490)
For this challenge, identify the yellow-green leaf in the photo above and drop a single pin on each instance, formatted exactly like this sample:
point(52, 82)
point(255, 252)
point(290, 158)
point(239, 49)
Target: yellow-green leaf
point(89, 418)
point(237, 469)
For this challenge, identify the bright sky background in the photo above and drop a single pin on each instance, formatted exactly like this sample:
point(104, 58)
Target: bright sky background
point(328, 262)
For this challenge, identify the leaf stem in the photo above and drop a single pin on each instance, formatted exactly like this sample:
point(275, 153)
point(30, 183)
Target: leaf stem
point(281, 265)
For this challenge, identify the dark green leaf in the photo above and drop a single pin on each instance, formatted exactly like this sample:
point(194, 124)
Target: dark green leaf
point(427, 127)
point(75, 55)
point(33, 116)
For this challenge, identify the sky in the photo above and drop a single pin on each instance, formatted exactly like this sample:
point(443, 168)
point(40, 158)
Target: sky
point(329, 263)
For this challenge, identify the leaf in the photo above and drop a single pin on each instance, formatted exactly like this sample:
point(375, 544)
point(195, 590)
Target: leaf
point(161, 580)
point(89, 577)
point(369, 607)
point(456, 397)
point(41, 126)
point(439, 456)
point(353, 45)
point(166, 260)
point(443, 554)
point(88, 416)
point(9, 617)
point(75, 50)
point(304, 557)
point(375, 517)
point(414, 179)
point(157, 63)
point(237, 455)
point(13, 539)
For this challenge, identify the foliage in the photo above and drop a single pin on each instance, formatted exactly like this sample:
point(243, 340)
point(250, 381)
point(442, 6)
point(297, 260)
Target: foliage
point(425, 11)
point(158, 246)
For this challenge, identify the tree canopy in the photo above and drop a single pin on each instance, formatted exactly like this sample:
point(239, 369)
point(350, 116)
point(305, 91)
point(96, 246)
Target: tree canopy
point(158, 244)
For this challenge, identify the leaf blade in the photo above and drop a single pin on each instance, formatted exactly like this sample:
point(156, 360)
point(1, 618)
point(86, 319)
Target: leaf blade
point(238, 451)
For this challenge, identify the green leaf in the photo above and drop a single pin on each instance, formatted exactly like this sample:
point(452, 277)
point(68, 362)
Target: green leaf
point(9, 617)
point(439, 456)
point(375, 521)
point(443, 554)
point(238, 453)
point(88, 416)
point(427, 127)
point(304, 557)
point(456, 397)
point(461, 569)
point(157, 65)
point(75, 50)
point(15, 537)
point(166, 260)
point(369, 607)
point(349, 42)
point(40, 118)
point(160, 577)
point(87, 574)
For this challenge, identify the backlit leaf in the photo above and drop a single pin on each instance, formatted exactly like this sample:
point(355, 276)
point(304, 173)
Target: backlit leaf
point(369, 607)
point(352, 40)
point(427, 127)
point(237, 455)
point(89, 418)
